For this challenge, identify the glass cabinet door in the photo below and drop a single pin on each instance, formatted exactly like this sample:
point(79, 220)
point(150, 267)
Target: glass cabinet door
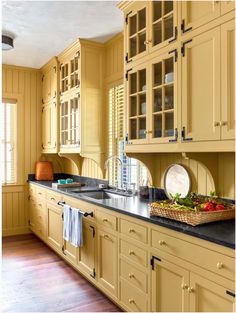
point(64, 123)
point(163, 117)
point(163, 23)
point(137, 105)
point(137, 32)
point(74, 122)
point(64, 77)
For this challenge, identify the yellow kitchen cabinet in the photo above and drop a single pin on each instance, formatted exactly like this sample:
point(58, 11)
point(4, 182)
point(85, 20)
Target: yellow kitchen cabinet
point(54, 226)
point(81, 99)
point(32, 214)
point(49, 127)
point(200, 69)
point(197, 13)
point(168, 284)
point(49, 80)
point(149, 26)
point(207, 296)
point(107, 250)
point(86, 253)
point(228, 79)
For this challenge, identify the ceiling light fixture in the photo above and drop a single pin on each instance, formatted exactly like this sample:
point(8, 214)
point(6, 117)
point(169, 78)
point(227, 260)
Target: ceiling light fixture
point(7, 42)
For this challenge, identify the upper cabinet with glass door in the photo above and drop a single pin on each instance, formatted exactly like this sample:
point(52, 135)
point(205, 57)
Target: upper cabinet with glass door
point(149, 25)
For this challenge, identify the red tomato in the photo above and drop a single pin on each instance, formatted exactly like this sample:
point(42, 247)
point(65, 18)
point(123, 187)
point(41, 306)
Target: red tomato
point(220, 207)
point(209, 206)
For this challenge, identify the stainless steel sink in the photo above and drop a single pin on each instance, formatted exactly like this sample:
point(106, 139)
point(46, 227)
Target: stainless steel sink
point(101, 195)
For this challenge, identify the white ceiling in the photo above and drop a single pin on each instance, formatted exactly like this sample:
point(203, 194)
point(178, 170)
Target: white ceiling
point(42, 29)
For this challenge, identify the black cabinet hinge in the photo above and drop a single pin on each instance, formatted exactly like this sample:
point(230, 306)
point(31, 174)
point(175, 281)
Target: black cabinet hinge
point(127, 74)
point(42, 101)
point(183, 134)
point(230, 293)
point(42, 78)
point(153, 260)
point(55, 69)
point(93, 274)
point(175, 51)
point(78, 54)
point(63, 249)
point(127, 17)
point(62, 216)
point(93, 229)
point(176, 35)
point(183, 27)
point(183, 46)
point(176, 136)
point(127, 58)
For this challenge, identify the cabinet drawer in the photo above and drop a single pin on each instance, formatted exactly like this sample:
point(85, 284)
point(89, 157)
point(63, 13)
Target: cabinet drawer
point(133, 230)
point(107, 220)
point(132, 298)
point(53, 197)
point(133, 275)
point(40, 205)
point(133, 253)
point(32, 190)
point(40, 193)
point(203, 257)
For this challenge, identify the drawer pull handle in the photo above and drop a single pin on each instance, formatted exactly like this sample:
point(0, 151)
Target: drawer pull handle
point(131, 301)
point(131, 230)
point(131, 275)
point(184, 286)
point(106, 236)
point(131, 252)
point(162, 242)
point(40, 204)
point(105, 220)
point(190, 289)
point(219, 265)
point(53, 199)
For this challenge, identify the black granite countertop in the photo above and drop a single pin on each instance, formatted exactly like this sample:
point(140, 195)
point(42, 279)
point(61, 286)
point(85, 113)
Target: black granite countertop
point(222, 233)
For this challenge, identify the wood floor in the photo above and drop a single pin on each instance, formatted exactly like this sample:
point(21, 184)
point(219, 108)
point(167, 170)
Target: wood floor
point(35, 279)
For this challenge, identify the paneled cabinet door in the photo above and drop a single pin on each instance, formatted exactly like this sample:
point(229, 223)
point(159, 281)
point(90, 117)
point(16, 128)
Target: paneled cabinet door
point(169, 287)
point(69, 251)
point(136, 110)
point(206, 296)
point(228, 79)
point(198, 13)
point(54, 226)
point(162, 23)
point(86, 253)
point(32, 213)
point(49, 84)
point(107, 262)
point(163, 115)
point(136, 30)
point(201, 87)
point(49, 127)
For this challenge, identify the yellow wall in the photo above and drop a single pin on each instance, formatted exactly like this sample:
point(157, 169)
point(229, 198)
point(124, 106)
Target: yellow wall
point(23, 85)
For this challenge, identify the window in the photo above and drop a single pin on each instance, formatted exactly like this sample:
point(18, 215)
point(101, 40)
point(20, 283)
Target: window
point(133, 170)
point(8, 141)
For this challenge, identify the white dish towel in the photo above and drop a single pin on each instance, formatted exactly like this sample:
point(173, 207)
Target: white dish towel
point(73, 229)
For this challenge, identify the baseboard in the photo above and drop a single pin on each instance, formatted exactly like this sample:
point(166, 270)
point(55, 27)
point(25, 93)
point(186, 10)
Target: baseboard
point(15, 231)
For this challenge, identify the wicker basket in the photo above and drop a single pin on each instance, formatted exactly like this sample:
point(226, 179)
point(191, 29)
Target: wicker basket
point(191, 217)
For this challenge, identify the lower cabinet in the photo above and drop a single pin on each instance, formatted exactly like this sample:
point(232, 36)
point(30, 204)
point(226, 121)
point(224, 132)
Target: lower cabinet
point(107, 250)
point(175, 289)
point(54, 226)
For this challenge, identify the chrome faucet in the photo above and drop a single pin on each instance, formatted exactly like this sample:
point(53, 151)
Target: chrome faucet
point(115, 157)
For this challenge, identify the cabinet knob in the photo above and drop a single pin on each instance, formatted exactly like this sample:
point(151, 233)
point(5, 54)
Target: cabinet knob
point(131, 275)
point(131, 301)
point(224, 123)
point(131, 252)
point(190, 289)
point(105, 220)
point(184, 286)
point(219, 265)
point(162, 242)
point(217, 124)
point(146, 42)
point(106, 236)
point(131, 230)
point(53, 199)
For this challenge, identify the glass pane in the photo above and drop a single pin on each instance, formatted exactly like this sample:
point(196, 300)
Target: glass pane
point(169, 70)
point(169, 97)
point(72, 68)
point(142, 80)
point(133, 129)
point(133, 46)
point(168, 27)
point(133, 106)
point(141, 40)
point(168, 6)
point(133, 25)
point(76, 63)
point(157, 74)
point(142, 19)
point(157, 29)
point(66, 108)
point(142, 104)
point(72, 81)
point(158, 125)
point(133, 83)
point(156, 10)
point(169, 124)
point(157, 100)
point(142, 128)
